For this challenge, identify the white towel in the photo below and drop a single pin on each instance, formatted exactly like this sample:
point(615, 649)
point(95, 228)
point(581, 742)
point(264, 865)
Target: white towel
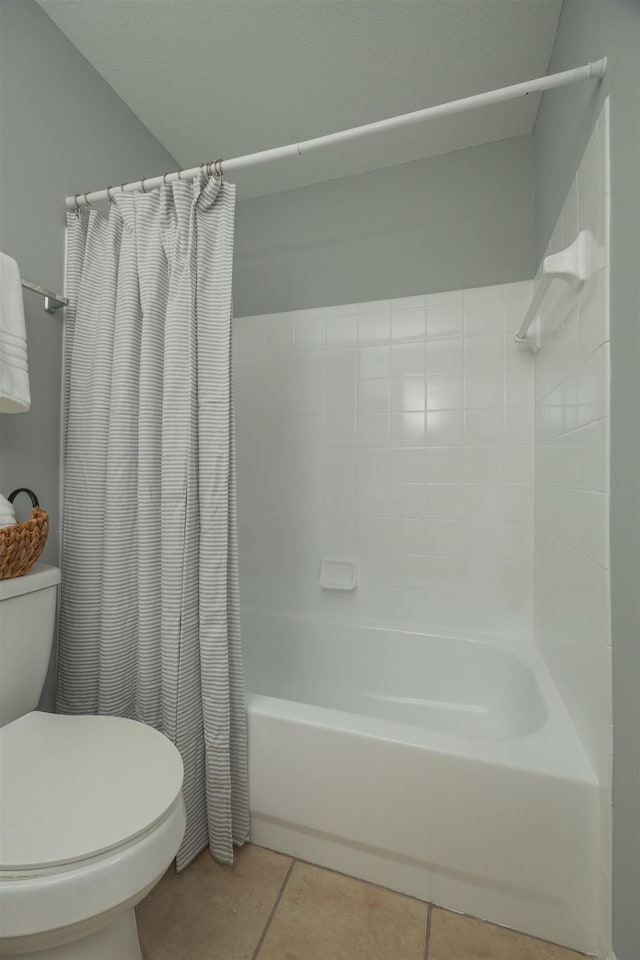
point(15, 396)
point(7, 513)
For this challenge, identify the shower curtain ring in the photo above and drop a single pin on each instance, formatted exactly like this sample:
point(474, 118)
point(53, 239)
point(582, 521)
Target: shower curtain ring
point(109, 189)
point(218, 168)
point(76, 205)
point(179, 173)
point(122, 186)
point(142, 184)
point(164, 179)
point(209, 174)
point(85, 198)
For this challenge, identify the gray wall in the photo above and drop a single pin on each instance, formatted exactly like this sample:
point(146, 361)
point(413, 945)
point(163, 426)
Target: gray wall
point(464, 219)
point(590, 29)
point(63, 130)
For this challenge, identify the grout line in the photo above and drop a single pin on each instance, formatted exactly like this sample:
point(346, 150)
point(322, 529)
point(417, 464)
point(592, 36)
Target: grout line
point(272, 911)
point(369, 883)
point(427, 933)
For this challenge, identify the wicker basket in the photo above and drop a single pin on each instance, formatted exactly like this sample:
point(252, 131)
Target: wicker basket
point(22, 543)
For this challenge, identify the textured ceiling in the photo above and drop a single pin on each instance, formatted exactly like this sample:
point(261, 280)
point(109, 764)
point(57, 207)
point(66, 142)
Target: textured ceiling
point(227, 77)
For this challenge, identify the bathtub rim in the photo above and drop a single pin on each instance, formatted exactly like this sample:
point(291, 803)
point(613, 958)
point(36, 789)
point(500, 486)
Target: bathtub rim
point(554, 749)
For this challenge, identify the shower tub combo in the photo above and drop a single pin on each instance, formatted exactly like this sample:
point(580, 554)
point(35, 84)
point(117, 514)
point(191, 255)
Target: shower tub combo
point(445, 767)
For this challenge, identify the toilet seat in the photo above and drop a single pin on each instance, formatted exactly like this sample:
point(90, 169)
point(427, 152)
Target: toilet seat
point(92, 814)
point(77, 788)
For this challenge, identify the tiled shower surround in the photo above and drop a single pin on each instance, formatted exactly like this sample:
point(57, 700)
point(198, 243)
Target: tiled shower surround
point(572, 616)
point(404, 435)
point(398, 433)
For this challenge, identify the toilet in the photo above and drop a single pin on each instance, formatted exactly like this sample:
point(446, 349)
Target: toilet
point(91, 808)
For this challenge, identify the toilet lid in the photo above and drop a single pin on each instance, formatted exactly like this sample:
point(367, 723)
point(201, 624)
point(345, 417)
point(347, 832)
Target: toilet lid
point(76, 787)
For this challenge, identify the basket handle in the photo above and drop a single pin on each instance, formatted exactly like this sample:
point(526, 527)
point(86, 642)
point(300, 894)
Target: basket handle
point(30, 493)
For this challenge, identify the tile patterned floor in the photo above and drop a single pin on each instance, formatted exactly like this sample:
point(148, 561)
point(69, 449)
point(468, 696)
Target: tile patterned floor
point(270, 907)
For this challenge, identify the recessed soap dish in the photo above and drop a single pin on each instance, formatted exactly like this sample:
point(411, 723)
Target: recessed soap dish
point(337, 573)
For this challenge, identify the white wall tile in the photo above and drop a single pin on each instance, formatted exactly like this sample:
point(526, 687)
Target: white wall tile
point(408, 465)
point(309, 366)
point(374, 327)
point(445, 317)
point(445, 355)
point(382, 431)
point(373, 463)
point(519, 425)
point(373, 568)
point(339, 430)
point(340, 364)
point(307, 431)
point(408, 572)
point(409, 536)
point(306, 462)
point(373, 533)
point(518, 464)
point(340, 498)
point(372, 430)
point(339, 532)
point(445, 391)
point(373, 499)
point(340, 397)
point(593, 313)
point(407, 394)
point(408, 322)
point(279, 332)
point(445, 464)
point(572, 607)
point(483, 389)
point(485, 464)
point(308, 397)
point(342, 330)
point(409, 303)
point(373, 361)
point(485, 353)
point(517, 297)
point(308, 496)
point(309, 329)
point(407, 500)
point(482, 315)
point(373, 396)
point(249, 337)
point(339, 463)
point(407, 429)
point(279, 368)
point(407, 359)
point(342, 309)
point(486, 427)
point(375, 306)
point(445, 428)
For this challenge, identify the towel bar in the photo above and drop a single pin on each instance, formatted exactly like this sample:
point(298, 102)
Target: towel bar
point(52, 302)
point(574, 265)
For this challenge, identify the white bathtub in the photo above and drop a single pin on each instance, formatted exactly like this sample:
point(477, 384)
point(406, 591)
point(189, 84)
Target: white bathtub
point(443, 767)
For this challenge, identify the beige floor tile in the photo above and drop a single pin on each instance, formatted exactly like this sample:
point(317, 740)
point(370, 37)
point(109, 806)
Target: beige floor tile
point(209, 911)
point(326, 916)
point(454, 937)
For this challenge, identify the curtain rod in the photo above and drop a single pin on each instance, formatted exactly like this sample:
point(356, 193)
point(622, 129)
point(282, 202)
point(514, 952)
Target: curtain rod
point(595, 70)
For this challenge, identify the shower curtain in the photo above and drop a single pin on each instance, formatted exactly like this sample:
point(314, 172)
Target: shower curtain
point(149, 625)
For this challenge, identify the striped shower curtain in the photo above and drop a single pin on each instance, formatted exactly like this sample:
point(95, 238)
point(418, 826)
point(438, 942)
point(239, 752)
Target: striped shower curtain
point(149, 624)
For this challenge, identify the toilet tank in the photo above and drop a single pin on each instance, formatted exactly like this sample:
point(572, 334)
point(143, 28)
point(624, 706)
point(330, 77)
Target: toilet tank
point(27, 618)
